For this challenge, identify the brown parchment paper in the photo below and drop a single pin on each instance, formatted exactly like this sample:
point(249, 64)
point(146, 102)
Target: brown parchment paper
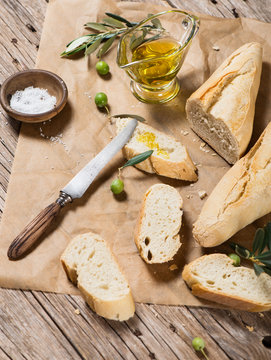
point(42, 167)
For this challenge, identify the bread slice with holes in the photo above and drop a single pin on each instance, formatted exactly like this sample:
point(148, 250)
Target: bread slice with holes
point(242, 196)
point(170, 158)
point(213, 277)
point(90, 264)
point(222, 110)
point(157, 233)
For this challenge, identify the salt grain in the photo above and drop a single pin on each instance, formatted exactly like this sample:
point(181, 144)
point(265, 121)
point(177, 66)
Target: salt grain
point(32, 101)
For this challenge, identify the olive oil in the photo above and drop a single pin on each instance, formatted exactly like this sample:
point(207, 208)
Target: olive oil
point(159, 61)
point(148, 139)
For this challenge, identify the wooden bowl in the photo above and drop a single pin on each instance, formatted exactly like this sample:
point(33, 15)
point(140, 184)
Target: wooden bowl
point(37, 78)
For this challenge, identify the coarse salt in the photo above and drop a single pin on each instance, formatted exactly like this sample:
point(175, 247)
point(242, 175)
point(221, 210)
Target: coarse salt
point(32, 101)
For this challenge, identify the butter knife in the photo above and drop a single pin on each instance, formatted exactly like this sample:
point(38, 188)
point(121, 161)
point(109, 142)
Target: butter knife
point(73, 190)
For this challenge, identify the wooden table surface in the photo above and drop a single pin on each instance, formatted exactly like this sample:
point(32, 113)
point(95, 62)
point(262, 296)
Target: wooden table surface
point(36, 325)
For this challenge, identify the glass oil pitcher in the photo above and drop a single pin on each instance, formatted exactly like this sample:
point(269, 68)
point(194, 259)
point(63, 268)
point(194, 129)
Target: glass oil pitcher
point(153, 52)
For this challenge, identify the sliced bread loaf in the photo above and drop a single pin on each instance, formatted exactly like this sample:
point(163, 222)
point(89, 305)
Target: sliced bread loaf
point(170, 158)
point(160, 219)
point(90, 264)
point(221, 111)
point(241, 196)
point(213, 277)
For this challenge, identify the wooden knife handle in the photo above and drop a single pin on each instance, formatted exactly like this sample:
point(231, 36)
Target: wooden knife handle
point(31, 233)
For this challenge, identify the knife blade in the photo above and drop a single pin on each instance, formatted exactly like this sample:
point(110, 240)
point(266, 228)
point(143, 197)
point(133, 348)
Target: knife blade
point(73, 190)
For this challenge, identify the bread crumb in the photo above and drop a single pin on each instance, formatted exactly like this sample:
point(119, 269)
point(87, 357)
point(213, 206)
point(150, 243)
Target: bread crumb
point(194, 140)
point(184, 132)
point(173, 267)
point(207, 150)
point(261, 315)
point(202, 194)
point(250, 328)
point(216, 48)
point(202, 144)
point(188, 196)
point(191, 185)
point(77, 311)
point(213, 154)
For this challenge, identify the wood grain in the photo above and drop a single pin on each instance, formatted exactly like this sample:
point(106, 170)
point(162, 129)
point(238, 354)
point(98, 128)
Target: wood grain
point(32, 232)
point(41, 326)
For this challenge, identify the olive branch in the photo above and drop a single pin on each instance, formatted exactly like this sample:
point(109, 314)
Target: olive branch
point(261, 259)
point(105, 34)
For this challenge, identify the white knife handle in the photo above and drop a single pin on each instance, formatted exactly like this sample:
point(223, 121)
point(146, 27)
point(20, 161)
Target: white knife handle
point(32, 232)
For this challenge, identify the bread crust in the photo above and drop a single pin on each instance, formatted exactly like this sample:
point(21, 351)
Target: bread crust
point(217, 296)
point(241, 196)
point(118, 309)
point(182, 170)
point(238, 125)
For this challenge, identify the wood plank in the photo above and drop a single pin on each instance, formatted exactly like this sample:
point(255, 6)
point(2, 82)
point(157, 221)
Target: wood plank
point(45, 326)
point(260, 10)
point(31, 332)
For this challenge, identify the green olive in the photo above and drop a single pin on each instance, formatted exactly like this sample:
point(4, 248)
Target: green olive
point(236, 259)
point(102, 68)
point(101, 99)
point(198, 343)
point(117, 186)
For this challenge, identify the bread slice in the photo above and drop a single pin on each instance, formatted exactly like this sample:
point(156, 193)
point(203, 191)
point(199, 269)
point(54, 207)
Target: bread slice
point(241, 196)
point(90, 264)
point(160, 219)
point(170, 158)
point(213, 277)
point(221, 111)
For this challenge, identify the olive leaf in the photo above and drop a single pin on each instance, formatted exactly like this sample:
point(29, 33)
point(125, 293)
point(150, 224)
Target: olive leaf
point(268, 235)
point(264, 256)
point(258, 242)
point(93, 46)
point(258, 269)
point(113, 22)
point(138, 159)
point(138, 40)
point(120, 18)
point(261, 261)
point(137, 117)
point(76, 44)
point(113, 25)
point(157, 24)
point(266, 270)
point(241, 250)
point(96, 26)
point(106, 46)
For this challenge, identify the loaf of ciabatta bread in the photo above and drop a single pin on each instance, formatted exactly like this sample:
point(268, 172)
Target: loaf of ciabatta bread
point(90, 264)
point(157, 233)
point(170, 158)
point(213, 277)
point(221, 111)
point(241, 196)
